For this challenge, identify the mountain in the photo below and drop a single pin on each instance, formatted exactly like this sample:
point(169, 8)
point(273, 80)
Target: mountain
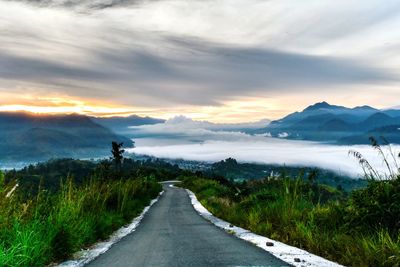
point(121, 125)
point(30, 137)
point(323, 109)
point(392, 112)
point(365, 108)
point(337, 124)
point(377, 120)
point(323, 106)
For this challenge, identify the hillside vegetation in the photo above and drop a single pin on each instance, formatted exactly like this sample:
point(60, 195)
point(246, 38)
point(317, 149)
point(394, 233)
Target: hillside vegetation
point(357, 229)
point(47, 220)
point(235, 171)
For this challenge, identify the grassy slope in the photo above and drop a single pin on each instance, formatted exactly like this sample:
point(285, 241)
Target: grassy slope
point(51, 226)
point(361, 230)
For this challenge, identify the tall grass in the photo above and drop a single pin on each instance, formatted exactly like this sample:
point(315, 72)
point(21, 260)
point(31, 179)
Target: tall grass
point(361, 230)
point(52, 226)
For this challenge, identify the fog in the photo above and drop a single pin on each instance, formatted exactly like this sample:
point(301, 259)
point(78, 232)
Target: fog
point(187, 130)
point(165, 141)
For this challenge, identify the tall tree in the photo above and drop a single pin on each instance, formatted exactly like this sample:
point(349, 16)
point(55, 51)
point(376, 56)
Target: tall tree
point(117, 153)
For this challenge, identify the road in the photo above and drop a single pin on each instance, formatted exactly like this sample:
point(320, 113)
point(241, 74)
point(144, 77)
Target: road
point(173, 234)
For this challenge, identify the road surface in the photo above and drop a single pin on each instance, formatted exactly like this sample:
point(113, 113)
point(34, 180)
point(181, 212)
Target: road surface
point(173, 234)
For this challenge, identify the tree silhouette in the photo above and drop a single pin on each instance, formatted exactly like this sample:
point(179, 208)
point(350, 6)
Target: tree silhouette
point(117, 153)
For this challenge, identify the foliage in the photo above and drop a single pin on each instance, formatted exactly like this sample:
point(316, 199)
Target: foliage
point(50, 225)
point(51, 174)
point(117, 154)
point(233, 170)
point(359, 230)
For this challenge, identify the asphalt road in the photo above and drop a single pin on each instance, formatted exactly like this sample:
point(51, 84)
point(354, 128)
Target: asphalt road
point(173, 234)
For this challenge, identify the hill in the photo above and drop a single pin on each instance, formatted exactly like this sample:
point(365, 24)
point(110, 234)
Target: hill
point(30, 137)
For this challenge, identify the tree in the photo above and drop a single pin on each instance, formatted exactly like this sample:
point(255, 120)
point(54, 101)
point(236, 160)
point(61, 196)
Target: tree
point(117, 153)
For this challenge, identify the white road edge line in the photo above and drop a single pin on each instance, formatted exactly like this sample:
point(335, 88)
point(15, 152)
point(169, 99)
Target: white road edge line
point(171, 181)
point(83, 257)
point(280, 250)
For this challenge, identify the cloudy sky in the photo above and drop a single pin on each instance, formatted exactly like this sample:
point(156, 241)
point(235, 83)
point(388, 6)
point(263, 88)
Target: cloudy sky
point(218, 60)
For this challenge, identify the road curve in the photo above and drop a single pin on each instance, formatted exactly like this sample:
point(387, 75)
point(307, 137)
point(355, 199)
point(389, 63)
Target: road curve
point(173, 234)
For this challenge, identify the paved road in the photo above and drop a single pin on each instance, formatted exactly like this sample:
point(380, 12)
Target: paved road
point(173, 234)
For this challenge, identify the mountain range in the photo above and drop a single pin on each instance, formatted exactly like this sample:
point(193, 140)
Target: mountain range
point(32, 137)
point(337, 124)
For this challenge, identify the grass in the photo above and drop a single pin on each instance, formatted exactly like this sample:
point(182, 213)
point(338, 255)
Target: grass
point(357, 230)
point(51, 226)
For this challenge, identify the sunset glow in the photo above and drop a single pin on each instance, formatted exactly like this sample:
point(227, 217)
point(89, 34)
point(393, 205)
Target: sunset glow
point(233, 111)
point(65, 105)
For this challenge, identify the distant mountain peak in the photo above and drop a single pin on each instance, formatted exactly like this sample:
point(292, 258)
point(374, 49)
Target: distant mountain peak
point(365, 107)
point(321, 105)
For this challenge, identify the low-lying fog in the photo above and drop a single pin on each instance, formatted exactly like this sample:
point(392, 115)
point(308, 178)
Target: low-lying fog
point(185, 139)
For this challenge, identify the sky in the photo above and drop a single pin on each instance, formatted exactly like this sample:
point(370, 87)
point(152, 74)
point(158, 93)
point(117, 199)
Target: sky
point(217, 60)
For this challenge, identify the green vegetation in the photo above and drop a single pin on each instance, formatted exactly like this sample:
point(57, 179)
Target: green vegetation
point(47, 220)
point(238, 172)
point(357, 229)
point(49, 175)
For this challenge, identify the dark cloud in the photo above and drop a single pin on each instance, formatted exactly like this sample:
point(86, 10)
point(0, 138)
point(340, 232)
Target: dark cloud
point(239, 68)
point(193, 72)
point(81, 4)
point(26, 68)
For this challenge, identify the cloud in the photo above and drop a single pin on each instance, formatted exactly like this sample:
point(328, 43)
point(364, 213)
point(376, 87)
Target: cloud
point(80, 4)
point(15, 67)
point(202, 77)
point(187, 130)
point(266, 151)
point(152, 54)
point(182, 122)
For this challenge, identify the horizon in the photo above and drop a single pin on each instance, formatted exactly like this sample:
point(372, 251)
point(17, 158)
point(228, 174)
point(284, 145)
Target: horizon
point(36, 112)
point(151, 59)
